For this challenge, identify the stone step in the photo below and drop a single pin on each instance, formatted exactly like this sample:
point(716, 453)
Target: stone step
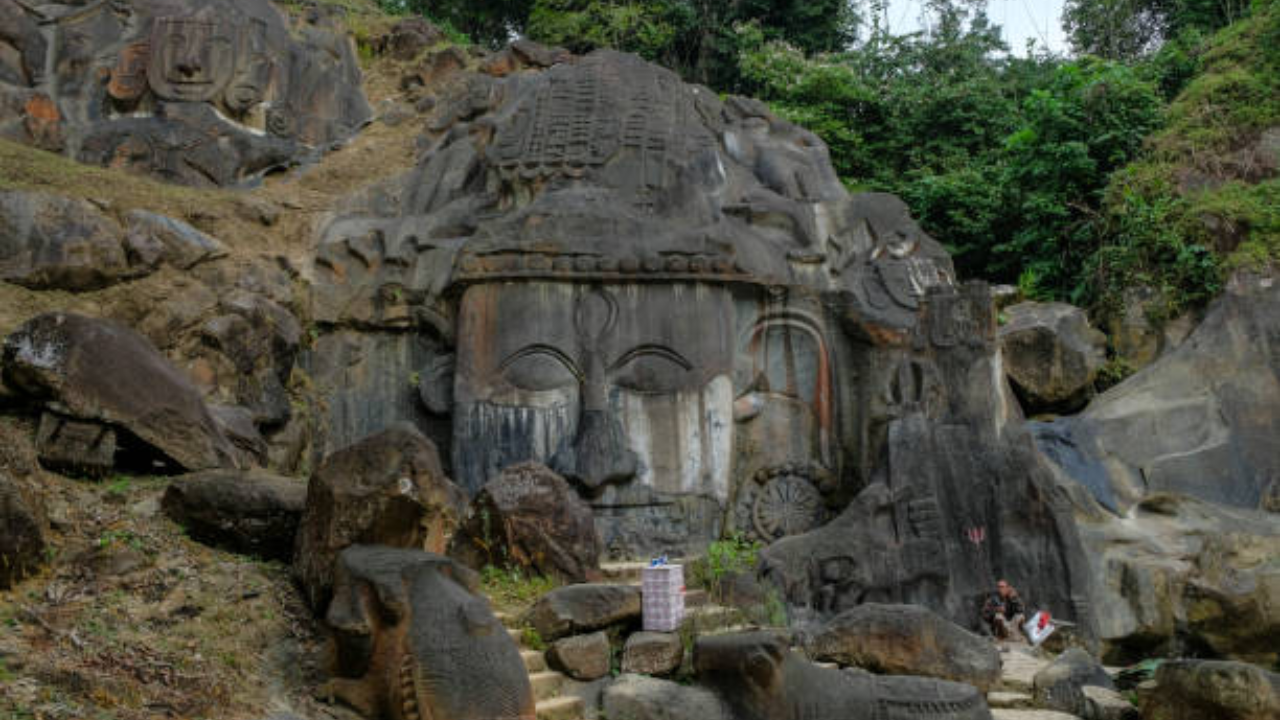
point(546, 684)
point(561, 708)
point(1018, 670)
point(506, 619)
point(1011, 700)
point(712, 618)
point(535, 661)
point(1007, 714)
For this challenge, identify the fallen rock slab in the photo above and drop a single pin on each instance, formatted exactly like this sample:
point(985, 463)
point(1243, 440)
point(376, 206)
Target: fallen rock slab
point(253, 513)
point(652, 653)
point(1060, 686)
point(581, 657)
point(1199, 689)
point(99, 370)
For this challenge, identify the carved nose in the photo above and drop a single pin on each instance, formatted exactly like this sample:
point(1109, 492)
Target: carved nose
point(598, 454)
point(189, 68)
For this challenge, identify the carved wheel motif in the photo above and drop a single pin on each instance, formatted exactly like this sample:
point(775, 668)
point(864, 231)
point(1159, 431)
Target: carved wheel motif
point(779, 503)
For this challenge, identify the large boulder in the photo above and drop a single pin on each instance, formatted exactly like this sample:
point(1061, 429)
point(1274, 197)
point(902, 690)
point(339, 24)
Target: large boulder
point(532, 518)
point(1200, 689)
point(103, 372)
point(1060, 685)
point(636, 697)
point(907, 640)
point(55, 243)
point(759, 678)
point(1180, 573)
point(254, 512)
point(1051, 355)
point(575, 609)
point(1200, 421)
point(388, 489)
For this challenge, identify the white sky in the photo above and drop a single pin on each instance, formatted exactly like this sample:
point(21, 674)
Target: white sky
point(1019, 20)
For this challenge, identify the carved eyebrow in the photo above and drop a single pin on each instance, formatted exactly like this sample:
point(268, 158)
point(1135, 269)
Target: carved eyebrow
point(548, 351)
point(651, 349)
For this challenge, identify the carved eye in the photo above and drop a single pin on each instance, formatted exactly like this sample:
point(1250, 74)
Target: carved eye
point(651, 369)
point(540, 367)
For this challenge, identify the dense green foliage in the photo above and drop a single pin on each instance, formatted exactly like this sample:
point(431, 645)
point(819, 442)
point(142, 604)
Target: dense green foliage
point(1141, 161)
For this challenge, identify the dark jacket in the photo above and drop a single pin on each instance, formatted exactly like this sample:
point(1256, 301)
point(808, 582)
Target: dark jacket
point(1010, 607)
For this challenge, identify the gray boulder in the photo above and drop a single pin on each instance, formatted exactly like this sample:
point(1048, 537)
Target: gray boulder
point(1051, 355)
point(531, 517)
point(154, 239)
point(1106, 704)
point(103, 372)
point(907, 640)
point(1060, 685)
point(388, 489)
point(575, 609)
point(636, 697)
point(1200, 421)
point(254, 513)
point(55, 243)
point(581, 657)
point(652, 653)
point(1201, 689)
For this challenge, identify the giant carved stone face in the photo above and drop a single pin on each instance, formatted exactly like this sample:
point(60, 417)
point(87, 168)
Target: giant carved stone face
point(605, 383)
point(192, 58)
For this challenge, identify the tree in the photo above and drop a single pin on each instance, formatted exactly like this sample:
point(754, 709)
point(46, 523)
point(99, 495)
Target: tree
point(1131, 29)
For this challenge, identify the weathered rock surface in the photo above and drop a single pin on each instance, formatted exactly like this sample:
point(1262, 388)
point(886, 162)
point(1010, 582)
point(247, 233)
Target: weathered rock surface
point(1200, 421)
point(1197, 689)
point(407, 38)
point(1051, 355)
point(207, 93)
point(907, 640)
point(388, 489)
point(760, 679)
point(1060, 686)
point(76, 448)
point(1105, 704)
point(1182, 575)
point(22, 528)
point(652, 653)
point(254, 513)
point(153, 239)
point(575, 609)
point(414, 641)
point(635, 697)
point(103, 372)
point(581, 657)
point(55, 243)
point(530, 517)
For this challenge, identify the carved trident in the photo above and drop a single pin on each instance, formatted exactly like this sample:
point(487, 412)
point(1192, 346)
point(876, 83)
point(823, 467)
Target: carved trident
point(976, 535)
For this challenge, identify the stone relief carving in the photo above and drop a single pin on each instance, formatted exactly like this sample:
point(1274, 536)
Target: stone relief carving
point(155, 84)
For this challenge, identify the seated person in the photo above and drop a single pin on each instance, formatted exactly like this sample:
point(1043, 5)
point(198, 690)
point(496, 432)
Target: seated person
point(1003, 612)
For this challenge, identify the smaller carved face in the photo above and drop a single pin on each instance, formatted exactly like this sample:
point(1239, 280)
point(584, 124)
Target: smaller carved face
point(192, 59)
point(129, 76)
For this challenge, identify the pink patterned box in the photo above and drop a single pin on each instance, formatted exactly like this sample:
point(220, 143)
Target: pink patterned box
point(662, 597)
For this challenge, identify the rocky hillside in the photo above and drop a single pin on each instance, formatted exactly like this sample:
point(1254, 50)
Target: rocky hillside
point(332, 346)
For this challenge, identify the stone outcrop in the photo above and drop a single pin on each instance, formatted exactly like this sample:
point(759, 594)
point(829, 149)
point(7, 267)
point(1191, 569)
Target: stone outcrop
point(199, 93)
point(576, 609)
point(1060, 685)
point(104, 375)
point(253, 513)
point(760, 679)
point(1182, 575)
point(55, 243)
point(1199, 421)
point(1051, 355)
point(414, 641)
point(530, 517)
point(1194, 689)
point(581, 657)
point(906, 640)
point(388, 489)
